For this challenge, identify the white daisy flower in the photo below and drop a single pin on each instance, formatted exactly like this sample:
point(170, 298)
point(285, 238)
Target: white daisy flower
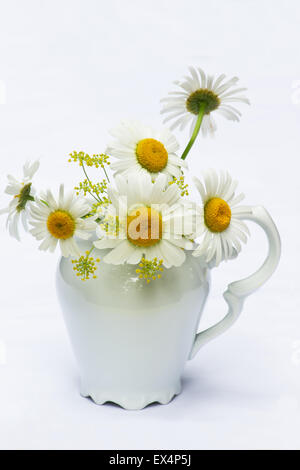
point(140, 150)
point(22, 192)
point(201, 92)
point(220, 222)
point(150, 221)
point(60, 221)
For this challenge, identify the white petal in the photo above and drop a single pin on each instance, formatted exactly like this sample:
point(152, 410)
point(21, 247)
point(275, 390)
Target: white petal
point(13, 226)
point(120, 254)
point(107, 243)
point(135, 257)
point(172, 255)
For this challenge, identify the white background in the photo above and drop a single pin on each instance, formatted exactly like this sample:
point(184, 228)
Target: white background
point(72, 69)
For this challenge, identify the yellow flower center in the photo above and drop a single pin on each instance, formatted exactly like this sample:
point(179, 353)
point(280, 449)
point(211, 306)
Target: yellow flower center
point(152, 155)
point(198, 97)
point(61, 224)
point(144, 227)
point(217, 214)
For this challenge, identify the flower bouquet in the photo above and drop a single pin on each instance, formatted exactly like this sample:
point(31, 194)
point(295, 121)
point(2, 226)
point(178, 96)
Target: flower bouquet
point(143, 248)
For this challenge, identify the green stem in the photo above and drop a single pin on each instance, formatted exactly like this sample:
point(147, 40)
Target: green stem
point(86, 175)
point(106, 174)
point(89, 252)
point(195, 132)
point(96, 198)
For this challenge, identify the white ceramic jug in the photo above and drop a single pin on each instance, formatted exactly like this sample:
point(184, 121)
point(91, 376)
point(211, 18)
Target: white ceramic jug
point(132, 339)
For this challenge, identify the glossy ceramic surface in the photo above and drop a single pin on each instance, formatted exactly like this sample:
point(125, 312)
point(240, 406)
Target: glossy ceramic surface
point(132, 339)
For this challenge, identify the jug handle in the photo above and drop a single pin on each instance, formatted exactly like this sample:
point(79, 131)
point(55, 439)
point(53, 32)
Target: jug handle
point(237, 291)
